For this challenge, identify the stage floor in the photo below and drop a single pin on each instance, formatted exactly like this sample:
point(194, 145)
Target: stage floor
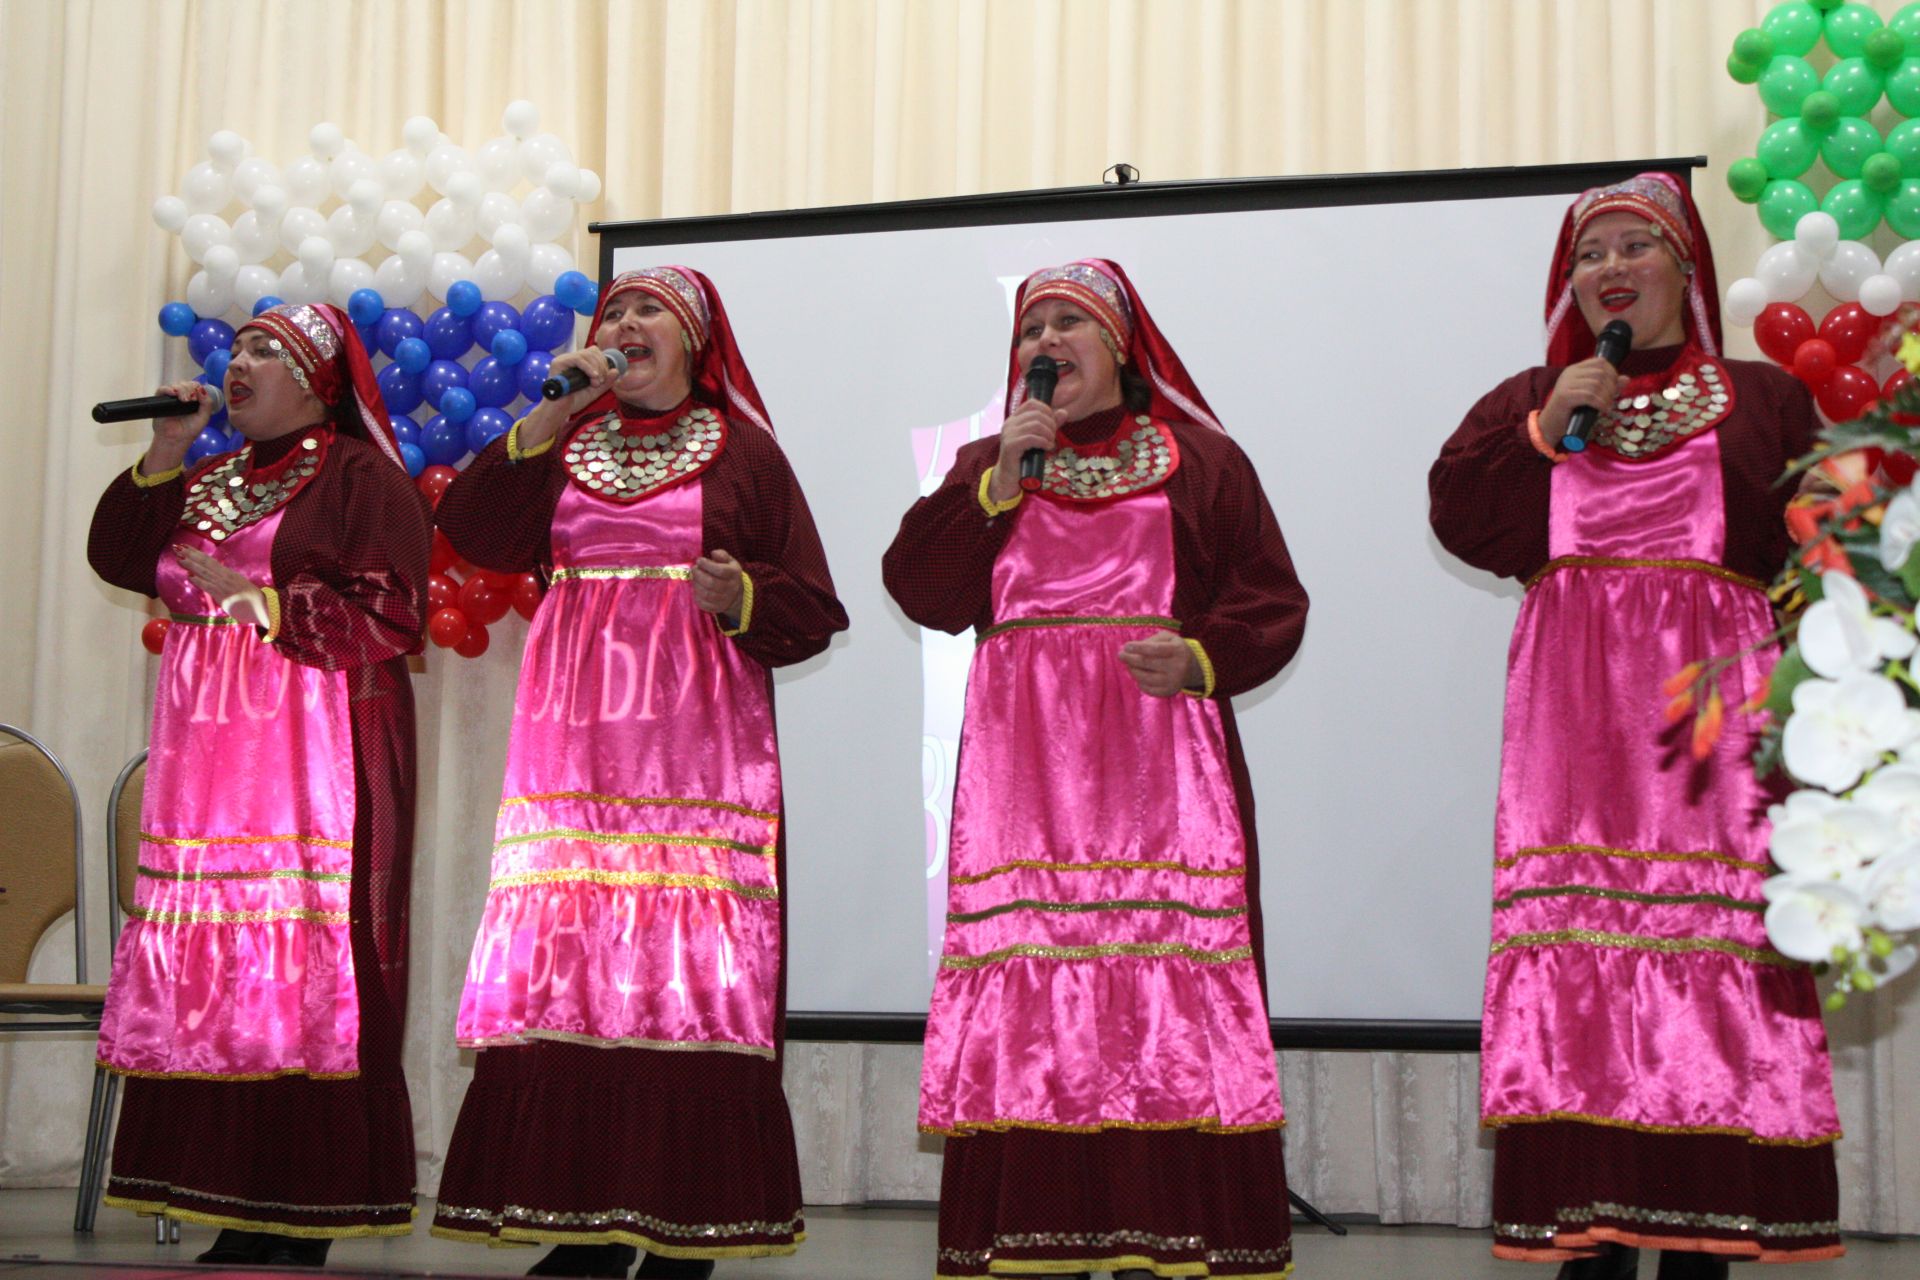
point(37, 1243)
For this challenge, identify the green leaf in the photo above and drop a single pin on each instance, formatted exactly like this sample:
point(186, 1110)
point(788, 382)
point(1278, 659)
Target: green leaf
point(1788, 674)
point(1910, 574)
point(1871, 574)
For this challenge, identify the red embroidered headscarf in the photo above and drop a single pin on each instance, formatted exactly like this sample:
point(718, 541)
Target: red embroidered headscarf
point(318, 345)
point(1668, 207)
point(718, 372)
point(1101, 288)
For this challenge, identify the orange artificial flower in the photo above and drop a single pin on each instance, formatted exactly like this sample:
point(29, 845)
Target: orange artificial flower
point(1706, 727)
point(1678, 708)
point(1680, 679)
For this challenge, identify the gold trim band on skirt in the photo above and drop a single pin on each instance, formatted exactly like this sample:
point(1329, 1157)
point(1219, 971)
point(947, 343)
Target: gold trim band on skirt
point(636, 837)
point(625, 879)
point(1024, 624)
point(203, 619)
point(1628, 895)
point(1637, 942)
point(1635, 1126)
point(1099, 951)
point(1577, 1218)
point(1106, 864)
point(241, 1078)
point(1638, 855)
point(673, 573)
point(275, 873)
point(641, 802)
point(200, 842)
point(1634, 562)
point(1116, 904)
point(618, 1042)
point(1202, 1124)
point(280, 916)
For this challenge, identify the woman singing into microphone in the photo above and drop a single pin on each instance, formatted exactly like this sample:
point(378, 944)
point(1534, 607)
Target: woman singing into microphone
point(1098, 1051)
point(1657, 1075)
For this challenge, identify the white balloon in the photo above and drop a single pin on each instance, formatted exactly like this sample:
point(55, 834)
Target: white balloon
point(1787, 272)
point(400, 282)
point(202, 232)
point(299, 224)
point(326, 140)
point(1849, 264)
point(520, 118)
point(498, 162)
point(448, 269)
point(545, 262)
point(465, 189)
point(589, 187)
point(539, 153)
point(401, 174)
point(1903, 264)
point(349, 167)
point(254, 238)
point(416, 247)
point(1817, 233)
point(498, 278)
point(206, 189)
point(512, 242)
point(1880, 295)
point(346, 275)
point(351, 234)
point(170, 213)
point(270, 202)
point(226, 149)
point(252, 283)
point(563, 180)
point(250, 175)
point(420, 133)
point(396, 218)
point(223, 260)
point(443, 162)
point(1746, 299)
point(316, 257)
point(295, 286)
point(365, 196)
point(496, 207)
point(208, 297)
point(306, 182)
point(546, 215)
point(450, 225)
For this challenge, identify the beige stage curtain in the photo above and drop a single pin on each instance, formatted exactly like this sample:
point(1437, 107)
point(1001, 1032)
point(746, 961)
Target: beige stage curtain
point(699, 106)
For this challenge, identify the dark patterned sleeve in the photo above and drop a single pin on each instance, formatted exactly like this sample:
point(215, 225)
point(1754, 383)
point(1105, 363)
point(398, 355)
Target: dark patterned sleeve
point(351, 573)
point(1490, 492)
point(499, 513)
point(1773, 424)
point(793, 611)
point(939, 569)
point(132, 525)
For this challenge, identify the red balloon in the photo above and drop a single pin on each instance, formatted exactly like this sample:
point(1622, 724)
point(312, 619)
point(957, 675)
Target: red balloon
point(497, 580)
point(475, 643)
point(526, 594)
point(154, 634)
point(481, 603)
point(443, 553)
point(1850, 328)
point(448, 627)
point(1780, 329)
point(442, 592)
point(1814, 362)
point(1847, 394)
point(434, 481)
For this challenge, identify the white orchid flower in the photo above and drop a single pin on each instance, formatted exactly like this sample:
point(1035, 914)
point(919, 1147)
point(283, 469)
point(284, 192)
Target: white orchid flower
point(1821, 837)
point(1839, 728)
point(1899, 529)
point(1839, 633)
point(1895, 791)
point(1806, 919)
point(1891, 888)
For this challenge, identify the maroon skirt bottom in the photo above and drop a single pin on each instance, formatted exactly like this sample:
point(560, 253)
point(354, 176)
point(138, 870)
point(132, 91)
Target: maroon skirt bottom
point(683, 1154)
point(1561, 1189)
point(1173, 1202)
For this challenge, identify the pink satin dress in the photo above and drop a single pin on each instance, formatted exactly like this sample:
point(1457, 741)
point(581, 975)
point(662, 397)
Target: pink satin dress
point(634, 898)
point(1631, 982)
point(235, 963)
point(1098, 971)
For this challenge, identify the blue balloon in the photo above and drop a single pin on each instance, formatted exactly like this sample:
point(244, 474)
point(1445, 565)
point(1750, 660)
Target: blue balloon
point(441, 377)
point(405, 429)
point(531, 372)
point(448, 334)
point(547, 322)
point(206, 444)
point(414, 457)
point(177, 319)
point(234, 439)
point(413, 354)
point(575, 290)
point(207, 337)
point(400, 389)
point(395, 327)
point(267, 302)
point(366, 306)
point(491, 319)
point(492, 383)
point(457, 404)
point(444, 443)
point(463, 297)
point(216, 362)
point(486, 426)
point(509, 347)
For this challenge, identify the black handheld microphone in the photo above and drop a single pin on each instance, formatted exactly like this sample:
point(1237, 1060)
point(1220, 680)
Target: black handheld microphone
point(1611, 344)
point(1043, 375)
point(562, 385)
point(155, 407)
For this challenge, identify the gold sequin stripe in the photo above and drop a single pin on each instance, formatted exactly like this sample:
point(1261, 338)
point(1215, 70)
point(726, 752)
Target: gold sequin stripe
point(518, 1224)
point(1628, 895)
point(277, 916)
point(200, 842)
point(675, 573)
point(1109, 864)
point(1039, 952)
point(1118, 904)
point(637, 837)
point(1634, 562)
point(276, 873)
point(1608, 1122)
point(620, 1042)
point(203, 620)
point(1021, 624)
point(1120, 1263)
point(1107, 1240)
point(1205, 1124)
point(244, 1076)
point(1666, 1218)
point(303, 1230)
point(1636, 942)
point(1637, 855)
point(623, 879)
point(676, 802)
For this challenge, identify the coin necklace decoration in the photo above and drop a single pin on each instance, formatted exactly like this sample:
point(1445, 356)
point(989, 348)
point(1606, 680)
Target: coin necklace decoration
point(1695, 397)
point(230, 495)
point(613, 463)
point(1141, 455)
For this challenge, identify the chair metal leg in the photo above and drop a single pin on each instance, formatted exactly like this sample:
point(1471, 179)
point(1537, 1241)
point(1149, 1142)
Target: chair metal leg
point(82, 1219)
point(160, 1228)
point(102, 1143)
point(173, 1227)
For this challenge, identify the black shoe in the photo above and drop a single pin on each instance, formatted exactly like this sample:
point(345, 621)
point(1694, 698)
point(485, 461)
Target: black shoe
point(240, 1247)
point(655, 1267)
point(294, 1251)
point(1677, 1264)
point(1616, 1262)
point(605, 1261)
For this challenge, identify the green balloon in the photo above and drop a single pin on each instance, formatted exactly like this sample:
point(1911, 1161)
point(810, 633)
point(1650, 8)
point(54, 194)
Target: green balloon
point(1854, 85)
point(1820, 112)
point(1746, 178)
point(1783, 204)
point(1788, 149)
point(1785, 84)
point(1848, 27)
point(1827, 4)
point(1906, 21)
point(1903, 210)
point(1753, 45)
point(1885, 49)
point(1903, 87)
point(1855, 208)
point(1881, 174)
point(1903, 144)
point(1795, 27)
point(1846, 148)
point(1743, 72)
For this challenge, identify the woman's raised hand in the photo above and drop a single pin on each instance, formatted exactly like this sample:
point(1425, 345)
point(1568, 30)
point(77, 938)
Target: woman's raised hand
point(172, 437)
point(1592, 383)
point(1032, 426)
point(546, 418)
